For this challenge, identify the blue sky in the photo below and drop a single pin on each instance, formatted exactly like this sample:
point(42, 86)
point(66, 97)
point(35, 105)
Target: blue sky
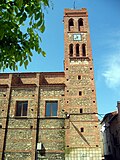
point(104, 22)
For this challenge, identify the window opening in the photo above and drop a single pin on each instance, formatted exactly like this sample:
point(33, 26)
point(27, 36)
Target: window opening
point(79, 77)
point(71, 24)
point(80, 93)
point(51, 108)
point(81, 110)
point(84, 50)
point(31, 127)
point(77, 49)
point(21, 108)
point(82, 129)
point(71, 50)
point(80, 23)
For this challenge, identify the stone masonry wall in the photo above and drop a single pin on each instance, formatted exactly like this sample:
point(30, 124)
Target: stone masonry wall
point(20, 135)
point(52, 130)
point(20, 132)
point(52, 93)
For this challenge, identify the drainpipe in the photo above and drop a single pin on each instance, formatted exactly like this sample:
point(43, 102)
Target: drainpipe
point(7, 118)
point(38, 115)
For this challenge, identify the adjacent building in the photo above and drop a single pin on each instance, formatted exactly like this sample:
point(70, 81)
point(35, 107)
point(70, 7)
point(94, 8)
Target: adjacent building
point(111, 134)
point(53, 115)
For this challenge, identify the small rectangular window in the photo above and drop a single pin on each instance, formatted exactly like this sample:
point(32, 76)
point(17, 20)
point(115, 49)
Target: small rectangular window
point(51, 108)
point(79, 77)
point(82, 129)
point(21, 108)
point(81, 110)
point(80, 93)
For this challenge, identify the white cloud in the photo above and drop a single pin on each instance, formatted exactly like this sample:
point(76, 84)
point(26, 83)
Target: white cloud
point(112, 71)
point(111, 66)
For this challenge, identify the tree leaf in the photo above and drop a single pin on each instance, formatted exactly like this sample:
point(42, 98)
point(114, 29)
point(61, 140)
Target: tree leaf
point(42, 28)
point(30, 59)
point(46, 2)
point(19, 3)
point(43, 53)
point(37, 16)
point(26, 64)
point(21, 62)
point(39, 22)
point(23, 18)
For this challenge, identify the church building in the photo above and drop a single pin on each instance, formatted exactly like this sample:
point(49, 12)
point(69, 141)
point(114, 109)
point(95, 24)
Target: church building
point(53, 115)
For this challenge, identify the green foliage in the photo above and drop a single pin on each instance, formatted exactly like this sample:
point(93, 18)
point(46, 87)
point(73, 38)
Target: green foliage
point(16, 44)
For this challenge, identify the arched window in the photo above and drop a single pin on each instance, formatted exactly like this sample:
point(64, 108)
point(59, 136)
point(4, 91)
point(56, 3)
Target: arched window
point(80, 23)
point(71, 50)
point(70, 24)
point(84, 50)
point(77, 50)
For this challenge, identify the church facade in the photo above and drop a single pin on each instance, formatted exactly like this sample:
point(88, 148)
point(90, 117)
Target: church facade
point(53, 115)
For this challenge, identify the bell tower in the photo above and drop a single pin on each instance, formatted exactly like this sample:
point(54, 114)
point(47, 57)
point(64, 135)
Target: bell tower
point(82, 133)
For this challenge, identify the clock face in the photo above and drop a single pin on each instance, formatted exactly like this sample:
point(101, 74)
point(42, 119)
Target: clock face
point(77, 37)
